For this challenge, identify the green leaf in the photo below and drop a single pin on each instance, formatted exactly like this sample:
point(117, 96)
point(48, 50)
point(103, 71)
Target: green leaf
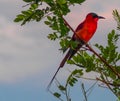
point(47, 22)
point(52, 36)
point(76, 59)
point(49, 18)
point(70, 62)
point(61, 1)
point(116, 16)
point(18, 19)
point(72, 79)
point(36, 1)
point(77, 73)
point(28, 0)
point(76, 1)
point(26, 13)
point(34, 6)
point(62, 88)
point(48, 1)
point(57, 95)
point(64, 43)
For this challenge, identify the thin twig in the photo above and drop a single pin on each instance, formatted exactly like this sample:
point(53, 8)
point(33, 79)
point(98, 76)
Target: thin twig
point(91, 89)
point(58, 84)
point(91, 79)
point(47, 15)
point(84, 92)
point(67, 92)
point(27, 4)
point(105, 82)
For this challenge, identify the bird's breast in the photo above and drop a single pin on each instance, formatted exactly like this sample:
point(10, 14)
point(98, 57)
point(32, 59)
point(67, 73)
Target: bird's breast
point(87, 31)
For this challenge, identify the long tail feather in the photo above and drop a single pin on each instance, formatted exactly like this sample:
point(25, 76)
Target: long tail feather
point(60, 66)
point(65, 58)
point(68, 56)
point(53, 78)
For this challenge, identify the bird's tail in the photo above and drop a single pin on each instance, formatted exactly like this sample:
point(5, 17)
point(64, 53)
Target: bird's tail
point(60, 66)
point(71, 53)
point(53, 78)
point(68, 56)
point(65, 58)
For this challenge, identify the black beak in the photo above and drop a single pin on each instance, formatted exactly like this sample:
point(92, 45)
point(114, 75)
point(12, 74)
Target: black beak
point(100, 17)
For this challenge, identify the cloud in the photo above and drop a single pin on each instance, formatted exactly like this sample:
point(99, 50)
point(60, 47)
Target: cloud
point(25, 51)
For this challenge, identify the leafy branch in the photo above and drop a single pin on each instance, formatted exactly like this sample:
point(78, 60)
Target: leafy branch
point(105, 63)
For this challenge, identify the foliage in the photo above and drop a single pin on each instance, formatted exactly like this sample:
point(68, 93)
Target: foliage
point(117, 18)
point(91, 63)
point(53, 10)
point(106, 63)
point(33, 13)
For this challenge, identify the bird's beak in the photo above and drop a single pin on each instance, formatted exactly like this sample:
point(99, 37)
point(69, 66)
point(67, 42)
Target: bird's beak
point(100, 17)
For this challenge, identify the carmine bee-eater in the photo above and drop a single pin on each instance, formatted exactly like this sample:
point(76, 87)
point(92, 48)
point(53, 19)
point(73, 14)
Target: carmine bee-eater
point(83, 34)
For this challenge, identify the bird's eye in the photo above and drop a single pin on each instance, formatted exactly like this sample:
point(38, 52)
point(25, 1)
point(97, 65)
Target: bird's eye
point(95, 16)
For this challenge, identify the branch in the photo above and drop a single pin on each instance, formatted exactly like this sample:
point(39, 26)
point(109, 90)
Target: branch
point(103, 60)
point(84, 92)
point(108, 85)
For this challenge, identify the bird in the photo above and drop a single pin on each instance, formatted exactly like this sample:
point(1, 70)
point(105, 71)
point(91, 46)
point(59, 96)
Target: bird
point(82, 35)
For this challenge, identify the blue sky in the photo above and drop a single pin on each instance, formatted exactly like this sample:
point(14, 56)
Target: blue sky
point(28, 60)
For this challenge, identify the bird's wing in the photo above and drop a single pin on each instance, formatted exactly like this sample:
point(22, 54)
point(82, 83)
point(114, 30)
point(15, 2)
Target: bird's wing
point(80, 26)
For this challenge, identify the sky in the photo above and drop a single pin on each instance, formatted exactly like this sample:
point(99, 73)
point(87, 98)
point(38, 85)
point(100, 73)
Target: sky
point(28, 60)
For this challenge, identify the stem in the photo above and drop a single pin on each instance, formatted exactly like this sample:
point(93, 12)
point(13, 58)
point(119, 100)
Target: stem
point(93, 51)
point(68, 24)
point(67, 92)
point(108, 85)
point(84, 92)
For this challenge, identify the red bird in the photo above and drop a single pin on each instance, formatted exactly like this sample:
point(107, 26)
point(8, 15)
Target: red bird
point(83, 34)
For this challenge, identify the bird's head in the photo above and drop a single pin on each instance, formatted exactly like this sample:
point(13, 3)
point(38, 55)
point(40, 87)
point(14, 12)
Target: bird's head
point(94, 16)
